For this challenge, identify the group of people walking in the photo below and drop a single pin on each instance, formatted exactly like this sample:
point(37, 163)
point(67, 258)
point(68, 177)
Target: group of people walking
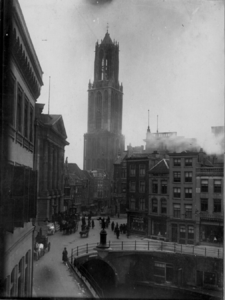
point(119, 229)
point(115, 227)
point(87, 225)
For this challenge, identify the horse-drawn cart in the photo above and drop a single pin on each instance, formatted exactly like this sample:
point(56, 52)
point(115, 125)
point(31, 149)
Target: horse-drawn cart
point(84, 232)
point(42, 245)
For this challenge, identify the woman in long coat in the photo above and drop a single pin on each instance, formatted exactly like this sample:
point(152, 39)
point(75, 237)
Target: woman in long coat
point(65, 255)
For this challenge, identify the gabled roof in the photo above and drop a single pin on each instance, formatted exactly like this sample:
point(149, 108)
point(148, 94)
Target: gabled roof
point(55, 122)
point(119, 159)
point(74, 173)
point(161, 167)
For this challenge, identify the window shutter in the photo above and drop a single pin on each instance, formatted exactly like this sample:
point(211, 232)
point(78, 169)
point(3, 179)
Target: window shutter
point(18, 195)
point(8, 201)
point(33, 194)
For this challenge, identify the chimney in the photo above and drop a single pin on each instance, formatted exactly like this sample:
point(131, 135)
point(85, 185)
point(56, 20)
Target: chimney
point(156, 154)
point(201, 156)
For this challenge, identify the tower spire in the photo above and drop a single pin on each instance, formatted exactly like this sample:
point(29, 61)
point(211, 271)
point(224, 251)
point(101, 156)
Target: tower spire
point(157, 123)
point(107, 27)
point(148, 130)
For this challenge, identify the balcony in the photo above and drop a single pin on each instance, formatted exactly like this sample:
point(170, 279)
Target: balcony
point(209, 172)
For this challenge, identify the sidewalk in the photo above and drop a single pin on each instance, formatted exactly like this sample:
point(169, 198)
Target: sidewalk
point(52, 278)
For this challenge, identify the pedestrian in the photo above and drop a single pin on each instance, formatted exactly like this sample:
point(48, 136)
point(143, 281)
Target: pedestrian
point(103, 223)
point(65, 256)
point(117, 232)
point(93, 224)
point(112, 226)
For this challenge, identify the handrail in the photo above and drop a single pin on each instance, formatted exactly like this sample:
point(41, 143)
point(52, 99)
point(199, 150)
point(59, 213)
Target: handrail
point(83, 272)
point(148, 245)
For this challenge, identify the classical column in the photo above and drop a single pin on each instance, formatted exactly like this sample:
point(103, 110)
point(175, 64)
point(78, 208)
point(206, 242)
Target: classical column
point(50, 167)
point(45, 168)
point(61, 169)
point(55, 168)
point(58, 170)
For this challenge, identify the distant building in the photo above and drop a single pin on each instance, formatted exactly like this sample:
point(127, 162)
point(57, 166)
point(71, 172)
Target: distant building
point(158, 210)
point(217, 130)
point(22, 81)
point(210, 205)
point(101, 190)
point(169, 142)
point(119, 194)
point(50, 141)
point(137, 193)
point(104, 139)
point(182, 204)
point(196, 199)
point(78, 187)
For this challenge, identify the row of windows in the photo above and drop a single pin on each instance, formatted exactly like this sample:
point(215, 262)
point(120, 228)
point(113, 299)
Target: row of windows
point(187, 162)
point(24, 111)
point(177, 192)
point(163, 206)
point(217, 186)
point(177, 176)
point(18, 283)
point(216, 205)
point(132, 187)
point(155, 187)
point(133, 204)
point(176, 207)
point(187, 211)
point(142, 170)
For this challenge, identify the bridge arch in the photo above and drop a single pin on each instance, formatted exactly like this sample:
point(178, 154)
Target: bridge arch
point(103, 273)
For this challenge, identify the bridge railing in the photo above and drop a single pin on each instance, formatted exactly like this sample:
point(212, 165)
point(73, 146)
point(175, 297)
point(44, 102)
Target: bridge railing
point(149, 245)
point(83, 274)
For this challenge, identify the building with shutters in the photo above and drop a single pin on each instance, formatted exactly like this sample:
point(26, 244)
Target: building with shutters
point(104, 138)
point(22, 83)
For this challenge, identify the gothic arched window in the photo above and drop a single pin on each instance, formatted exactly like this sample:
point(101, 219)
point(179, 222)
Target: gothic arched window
point(116, 112)
point(105, 107)
point(91, 107)
point(101, 65)
point(112, 111)
point(98, 111)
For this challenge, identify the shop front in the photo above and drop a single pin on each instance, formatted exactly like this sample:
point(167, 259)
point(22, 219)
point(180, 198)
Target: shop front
point(158, 228)
point(138, 224)
point(182, 233)
point(211, 232)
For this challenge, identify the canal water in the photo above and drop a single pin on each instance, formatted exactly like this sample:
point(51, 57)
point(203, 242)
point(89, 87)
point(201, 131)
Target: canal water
point(142, 292)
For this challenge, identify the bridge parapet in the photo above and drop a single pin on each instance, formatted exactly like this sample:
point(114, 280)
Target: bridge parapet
point(148, 245)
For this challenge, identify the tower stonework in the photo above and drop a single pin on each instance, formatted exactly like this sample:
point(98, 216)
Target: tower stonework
point(104, 140)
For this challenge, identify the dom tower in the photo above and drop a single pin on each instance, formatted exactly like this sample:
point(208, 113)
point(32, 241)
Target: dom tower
point(104, 140)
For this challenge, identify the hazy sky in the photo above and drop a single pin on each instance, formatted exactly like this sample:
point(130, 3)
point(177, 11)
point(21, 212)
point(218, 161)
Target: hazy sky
point(171, 62)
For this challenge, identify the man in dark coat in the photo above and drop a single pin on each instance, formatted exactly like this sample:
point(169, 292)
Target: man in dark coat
point(65, 256)
point(117, 232)
point(112, 226)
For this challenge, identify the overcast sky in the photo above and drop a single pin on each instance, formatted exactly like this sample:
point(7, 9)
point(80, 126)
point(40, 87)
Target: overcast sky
point(171, 63)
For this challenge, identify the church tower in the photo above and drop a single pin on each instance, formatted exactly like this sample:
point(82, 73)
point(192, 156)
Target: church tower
point(104, 140)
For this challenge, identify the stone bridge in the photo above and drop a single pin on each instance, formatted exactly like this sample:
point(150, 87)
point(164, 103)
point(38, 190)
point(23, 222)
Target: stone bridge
point(150, 263)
